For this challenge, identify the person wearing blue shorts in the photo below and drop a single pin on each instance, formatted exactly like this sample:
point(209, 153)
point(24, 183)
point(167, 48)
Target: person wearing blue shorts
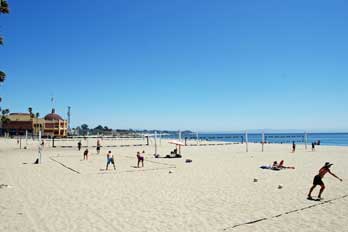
point(110, 159)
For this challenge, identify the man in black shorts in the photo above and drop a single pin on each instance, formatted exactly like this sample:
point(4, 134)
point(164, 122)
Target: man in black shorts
point(98, 147)
point(79, 144)
point(318, 180)
point(85, 155)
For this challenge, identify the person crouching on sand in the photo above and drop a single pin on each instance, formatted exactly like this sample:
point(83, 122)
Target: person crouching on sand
point(140, 159)
point(318, 180)
point(85, 155)
point(110, 159)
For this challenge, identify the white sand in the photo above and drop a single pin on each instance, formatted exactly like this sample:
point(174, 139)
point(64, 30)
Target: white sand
point(213, 193)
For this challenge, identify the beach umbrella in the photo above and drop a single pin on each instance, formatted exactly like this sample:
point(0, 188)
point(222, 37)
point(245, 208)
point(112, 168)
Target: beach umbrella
point(177, 143)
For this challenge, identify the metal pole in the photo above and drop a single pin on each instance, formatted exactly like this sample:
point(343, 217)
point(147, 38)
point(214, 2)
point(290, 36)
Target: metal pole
point(26, 137)
point(160, 135)
point(246, 141)
point(69, 129)
point(305, 138)
point(40, 154)
point(263, 139)
point(180, 135)
point(197, 137)
point(155, 142)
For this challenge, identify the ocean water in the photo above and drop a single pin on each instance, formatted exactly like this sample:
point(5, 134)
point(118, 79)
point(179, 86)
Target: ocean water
point(330, 139)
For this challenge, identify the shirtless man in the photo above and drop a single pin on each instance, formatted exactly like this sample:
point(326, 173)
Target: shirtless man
point(318, 180)
point(98, 147)
point(140, 159)
point(85, 155)
point(110, 159)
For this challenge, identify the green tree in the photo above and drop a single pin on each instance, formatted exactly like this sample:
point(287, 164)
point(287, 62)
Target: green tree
point(85, 129)
point(4, 9)
point(2, 76)
point(30, 110)
point(4, 117)
point(38, 127)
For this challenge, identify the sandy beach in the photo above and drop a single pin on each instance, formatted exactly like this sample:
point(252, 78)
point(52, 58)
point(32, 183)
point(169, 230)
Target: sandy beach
point(216, 192)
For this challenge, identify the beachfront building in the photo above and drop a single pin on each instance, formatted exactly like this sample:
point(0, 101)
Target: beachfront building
point(21, 123)
point(55, 125)
point(18, 124)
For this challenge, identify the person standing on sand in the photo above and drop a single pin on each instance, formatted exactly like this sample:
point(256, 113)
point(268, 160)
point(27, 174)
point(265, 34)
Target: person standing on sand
point(110, 159)
point(293, 147)
point(79, 144)
point(85, 155)
point(140, 159)
point(98, 147)
point(313, 146)
point(318, 180)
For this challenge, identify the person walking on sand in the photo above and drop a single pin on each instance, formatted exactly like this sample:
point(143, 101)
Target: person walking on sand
point(98, 146)
point(140, 159)
point(110, 159)
point(79, 144)
point(318, 180)
point(293, 147)
point(85, 155)
point(313, 146)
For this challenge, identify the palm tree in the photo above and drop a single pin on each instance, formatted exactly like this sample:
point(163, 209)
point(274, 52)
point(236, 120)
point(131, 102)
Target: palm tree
point(37, 124)
point(4, 7)
point(2, 76)
point(4, 117)
point(5, 112)
point(3, 10)
point(30, 110)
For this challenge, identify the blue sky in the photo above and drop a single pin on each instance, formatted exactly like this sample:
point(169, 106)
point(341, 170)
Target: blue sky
point(200, 65)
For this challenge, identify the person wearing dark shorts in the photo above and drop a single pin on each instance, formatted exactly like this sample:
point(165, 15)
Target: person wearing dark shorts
point(293, 147)
point(98, 147)
point(85, 155)
point(318, 180)
point(140, 159)
point(79, 144)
